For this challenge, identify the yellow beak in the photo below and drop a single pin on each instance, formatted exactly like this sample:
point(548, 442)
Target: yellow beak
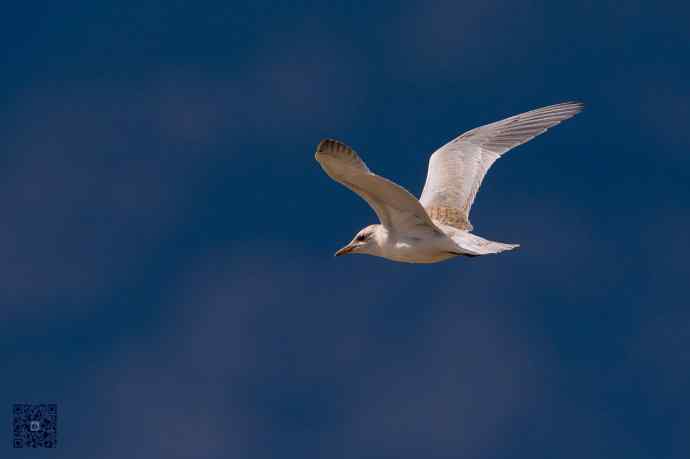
point(345, 250)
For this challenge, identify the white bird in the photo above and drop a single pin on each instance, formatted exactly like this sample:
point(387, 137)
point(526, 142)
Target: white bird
point(436, 227)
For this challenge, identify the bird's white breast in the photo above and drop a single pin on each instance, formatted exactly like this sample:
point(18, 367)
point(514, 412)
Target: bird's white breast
point(418, 249)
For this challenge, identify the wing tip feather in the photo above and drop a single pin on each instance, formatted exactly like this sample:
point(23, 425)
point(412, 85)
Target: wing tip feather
point(330, 146)
point(576, 106)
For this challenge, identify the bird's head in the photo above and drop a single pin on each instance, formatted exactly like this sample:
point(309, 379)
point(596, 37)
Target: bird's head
point(364, 242)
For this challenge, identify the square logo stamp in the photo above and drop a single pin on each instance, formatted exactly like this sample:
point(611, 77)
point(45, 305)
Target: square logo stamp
point(34, 425)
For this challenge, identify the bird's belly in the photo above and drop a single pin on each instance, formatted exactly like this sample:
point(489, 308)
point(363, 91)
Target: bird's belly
point(418, 251)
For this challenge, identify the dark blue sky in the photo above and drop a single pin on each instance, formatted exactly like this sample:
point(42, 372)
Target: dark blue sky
point(167, 240)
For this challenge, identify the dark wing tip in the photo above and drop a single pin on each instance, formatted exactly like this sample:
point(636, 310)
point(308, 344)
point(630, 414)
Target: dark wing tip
point(336, 149)
point(331, 144)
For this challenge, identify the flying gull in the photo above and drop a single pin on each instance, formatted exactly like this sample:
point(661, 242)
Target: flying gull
point(437, 226)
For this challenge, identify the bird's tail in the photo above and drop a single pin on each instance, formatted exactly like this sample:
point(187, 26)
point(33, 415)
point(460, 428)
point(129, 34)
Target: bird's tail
point(473, 245)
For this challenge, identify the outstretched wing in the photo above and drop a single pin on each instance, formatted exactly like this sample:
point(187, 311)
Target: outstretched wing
point(395, 207)
point(457, 169)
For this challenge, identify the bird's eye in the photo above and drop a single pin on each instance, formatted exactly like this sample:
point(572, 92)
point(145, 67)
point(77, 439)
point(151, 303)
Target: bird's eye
point(361, 237)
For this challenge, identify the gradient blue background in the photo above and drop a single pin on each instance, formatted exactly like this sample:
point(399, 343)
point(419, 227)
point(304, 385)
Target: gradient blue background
point(166, 239)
